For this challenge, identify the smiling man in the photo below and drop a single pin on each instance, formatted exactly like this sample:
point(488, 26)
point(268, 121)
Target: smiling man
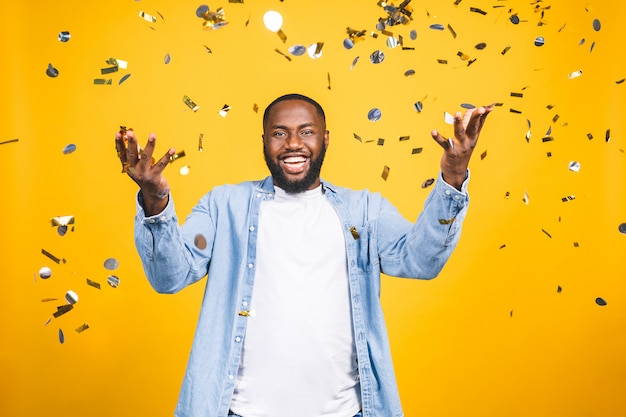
point(291, 323)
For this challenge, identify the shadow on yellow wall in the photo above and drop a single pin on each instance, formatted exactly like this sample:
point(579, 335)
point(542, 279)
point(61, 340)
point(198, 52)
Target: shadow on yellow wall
point(513, 325)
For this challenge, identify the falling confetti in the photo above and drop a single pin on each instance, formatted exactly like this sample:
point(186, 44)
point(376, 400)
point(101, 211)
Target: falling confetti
point(45, 273)
point(52, 72)
point(601, 301)
point(111, 264)
point(374, 115)
point(64, 36)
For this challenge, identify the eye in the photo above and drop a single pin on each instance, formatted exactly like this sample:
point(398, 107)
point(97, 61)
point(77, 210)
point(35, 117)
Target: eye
point(279, 134)
point(308, 132)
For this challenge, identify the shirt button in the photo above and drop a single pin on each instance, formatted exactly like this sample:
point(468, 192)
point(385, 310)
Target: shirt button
point(162, 218)
point(457, 198)
point(245, 304)
point(447, 192)
point(250, 266)
point(231, 377)
point(237, 339)
point(252, 228)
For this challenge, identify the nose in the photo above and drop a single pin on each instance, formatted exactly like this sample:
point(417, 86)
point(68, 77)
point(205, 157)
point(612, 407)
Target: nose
point(293, 141)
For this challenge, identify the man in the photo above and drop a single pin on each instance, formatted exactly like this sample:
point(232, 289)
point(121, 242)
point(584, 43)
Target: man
point(291, 322)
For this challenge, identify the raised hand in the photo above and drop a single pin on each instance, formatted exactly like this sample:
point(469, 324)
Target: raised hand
point(457, 151)
point(141, 167)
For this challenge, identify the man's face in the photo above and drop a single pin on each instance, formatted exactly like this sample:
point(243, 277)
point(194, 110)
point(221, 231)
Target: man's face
point(294, 143)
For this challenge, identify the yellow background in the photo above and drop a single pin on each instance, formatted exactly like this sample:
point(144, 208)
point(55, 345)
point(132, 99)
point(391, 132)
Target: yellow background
point(491, 336)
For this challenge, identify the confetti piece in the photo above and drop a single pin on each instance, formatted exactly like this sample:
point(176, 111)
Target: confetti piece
point(61, 336)
point(574, 166)
point(437, 26)
point(111, 264)
point(547, 234)
point(354, 61)
point(297, 50)
point(568, 198)
point(200, 147)
point(184, 170)
point(448, 118)
point(385, 173)
point(102, 81)
point(200, 241)
point(189, 103)
point(576, 245)
point(69, 148)
point(574, 74)
point(82, 328)
point(477, 10)
point(377, 57)
point(447, 221)
point(483, 155)
point(514, 18)
point(45, 273)
point(559, 289)
point(374, 115)
point(64, 36)
point(109, 70)
point(416, 150)
point(452, 31)
point(315, 50)
point(62, 310)
point(589, 136)
point(502, 247)
point(380, 142)
point(428, 182)
point(409, 73)
point(147, 17)
point(622, 228)
point(9, 141)
point(418, 106)
point(539, 41)
point(52, 72)
point(355, 233)
point(596, 25)
point(601, 301)
point(620, 81)
point(176, 156)
point(124, 78)
point(287, 57)
point(93, 283)
point(480, 46)
point(167, 59)
point(442, 61)
point(357, 137)
point(49, 255)
point(71, 297)
point(526, 198)
point(113, 281)
point(607, 136)
point(506, 49)
point(413, 34)
point(224, 111)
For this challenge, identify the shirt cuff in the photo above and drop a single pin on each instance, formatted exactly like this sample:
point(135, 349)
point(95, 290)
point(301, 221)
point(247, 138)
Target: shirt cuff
point(463, 190)
point(162, 217)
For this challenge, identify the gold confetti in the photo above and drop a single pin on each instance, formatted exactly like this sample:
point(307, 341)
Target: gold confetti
point(575, 74)
point(452, 31)
point(176, 156)
point(93, 283)
point(147, 17)
point(9, 141)
point(62, 310)
point(354, 232)
point(483, 155)
point(51, 256)
point(385, 173)
point(416, 150)
point(200, 147)
point(547, 234)
point(189, 102)
point(447, 221)
point(287, 57)
point(82, 328)
point(568, 198)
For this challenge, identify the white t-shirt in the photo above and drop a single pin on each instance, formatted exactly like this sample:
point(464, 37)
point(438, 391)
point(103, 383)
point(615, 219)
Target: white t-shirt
point(299, 357)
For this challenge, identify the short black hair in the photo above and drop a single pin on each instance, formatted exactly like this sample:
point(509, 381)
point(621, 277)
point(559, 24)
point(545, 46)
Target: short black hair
point(294, 96)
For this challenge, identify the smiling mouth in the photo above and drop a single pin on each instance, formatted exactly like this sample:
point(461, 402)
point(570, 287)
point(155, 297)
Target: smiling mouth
point(294, 164)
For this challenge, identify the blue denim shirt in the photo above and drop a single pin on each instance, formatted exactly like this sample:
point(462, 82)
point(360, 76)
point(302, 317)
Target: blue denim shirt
point(378, 240)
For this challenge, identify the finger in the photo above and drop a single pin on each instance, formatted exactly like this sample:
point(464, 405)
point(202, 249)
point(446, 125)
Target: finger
point(164, 161)
point(120, 147)
point(442, 141)
point(146, 153)
point(132, 151)
point(475, 123)
point(461, 123)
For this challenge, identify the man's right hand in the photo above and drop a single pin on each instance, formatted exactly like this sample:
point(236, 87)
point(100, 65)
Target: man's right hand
point(140, 166)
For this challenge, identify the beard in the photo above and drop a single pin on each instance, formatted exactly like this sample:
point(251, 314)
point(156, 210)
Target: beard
point(297, 186)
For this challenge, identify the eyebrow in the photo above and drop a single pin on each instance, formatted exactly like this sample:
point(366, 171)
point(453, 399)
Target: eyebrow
point(309, 124)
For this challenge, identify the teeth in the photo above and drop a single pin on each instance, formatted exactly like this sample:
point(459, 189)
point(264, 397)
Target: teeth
point(294, 160)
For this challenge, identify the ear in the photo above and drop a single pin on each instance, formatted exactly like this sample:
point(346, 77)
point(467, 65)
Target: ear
point(326, 138)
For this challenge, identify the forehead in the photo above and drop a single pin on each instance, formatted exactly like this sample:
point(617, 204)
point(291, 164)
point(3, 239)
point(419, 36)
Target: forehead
point(294, 110)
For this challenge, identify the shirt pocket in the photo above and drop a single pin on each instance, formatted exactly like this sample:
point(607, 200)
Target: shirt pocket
point(363, 241)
